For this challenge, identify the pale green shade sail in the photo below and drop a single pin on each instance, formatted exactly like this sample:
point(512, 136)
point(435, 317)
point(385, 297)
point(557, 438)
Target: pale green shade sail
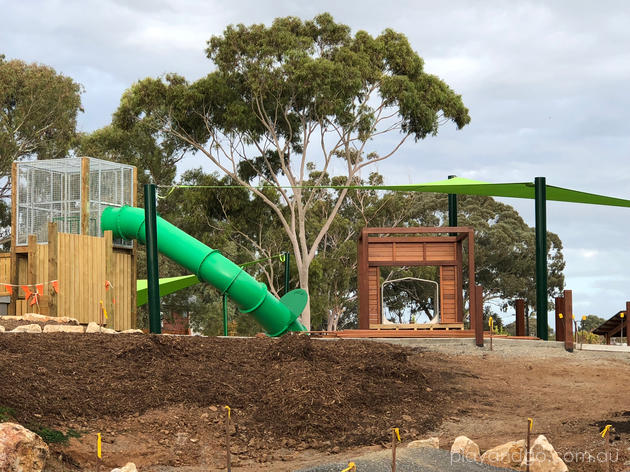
point(167, 286)
point(462, 186)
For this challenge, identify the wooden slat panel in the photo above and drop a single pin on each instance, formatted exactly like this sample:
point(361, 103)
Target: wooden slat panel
point(441, 251)
point(5, 272)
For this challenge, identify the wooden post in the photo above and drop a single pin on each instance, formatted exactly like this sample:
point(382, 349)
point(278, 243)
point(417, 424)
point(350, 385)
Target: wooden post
point(627, 323)
point(85, 195)
point(134, 256)
point(559, 302)
point(478, 315)
point(474, 293)
point(520, 316)
point(14, 265)
point(109, 275)
point(53, 273)
point(31, 267)
point(568, 320)
point(364, 297)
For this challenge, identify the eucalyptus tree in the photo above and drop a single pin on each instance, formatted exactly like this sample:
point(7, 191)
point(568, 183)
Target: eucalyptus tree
point(294, 93)
point(38, 114)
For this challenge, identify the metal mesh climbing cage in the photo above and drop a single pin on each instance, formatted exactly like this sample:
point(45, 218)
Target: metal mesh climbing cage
point(52, 191)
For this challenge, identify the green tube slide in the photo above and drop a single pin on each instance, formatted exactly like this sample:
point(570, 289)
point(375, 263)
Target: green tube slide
point(252, 297)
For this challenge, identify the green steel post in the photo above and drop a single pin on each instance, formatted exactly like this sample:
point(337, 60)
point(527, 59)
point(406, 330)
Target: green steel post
point(541, 258)
point(225, 317)
point(452, 206)
point(287, 271)
point(153, 278)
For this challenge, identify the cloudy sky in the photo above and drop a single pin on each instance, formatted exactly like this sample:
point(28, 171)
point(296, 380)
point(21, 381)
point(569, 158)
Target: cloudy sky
point(546, 84)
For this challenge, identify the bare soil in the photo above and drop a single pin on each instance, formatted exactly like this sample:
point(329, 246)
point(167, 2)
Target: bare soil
point(159, 400)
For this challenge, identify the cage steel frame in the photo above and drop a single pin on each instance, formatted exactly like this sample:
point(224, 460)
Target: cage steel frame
point(51, 191)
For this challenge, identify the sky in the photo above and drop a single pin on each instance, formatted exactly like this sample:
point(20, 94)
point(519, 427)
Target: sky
point(546, 84)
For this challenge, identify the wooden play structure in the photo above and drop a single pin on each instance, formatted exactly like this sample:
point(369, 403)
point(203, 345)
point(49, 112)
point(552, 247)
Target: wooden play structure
point(61, 263)
point(439, 246)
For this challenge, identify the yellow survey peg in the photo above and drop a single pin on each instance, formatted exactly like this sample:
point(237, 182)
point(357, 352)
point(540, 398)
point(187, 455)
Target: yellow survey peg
point(351, 466)
point(531, 423)
point(98, 445)
point(229, 410)
point(605, 432)
point(397, 431)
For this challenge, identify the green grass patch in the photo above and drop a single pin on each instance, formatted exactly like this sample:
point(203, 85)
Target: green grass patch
point(6, 414)
point(54, 436)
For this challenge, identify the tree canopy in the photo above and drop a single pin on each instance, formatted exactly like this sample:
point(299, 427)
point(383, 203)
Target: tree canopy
point(38, 114)
point(292, 95)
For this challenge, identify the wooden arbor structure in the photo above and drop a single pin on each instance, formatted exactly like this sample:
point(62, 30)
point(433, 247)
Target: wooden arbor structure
point(439, 246)
point(58, 251)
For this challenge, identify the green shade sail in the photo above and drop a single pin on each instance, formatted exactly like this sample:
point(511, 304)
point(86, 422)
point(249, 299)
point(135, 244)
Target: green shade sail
point(167, 286)
point(462, 186)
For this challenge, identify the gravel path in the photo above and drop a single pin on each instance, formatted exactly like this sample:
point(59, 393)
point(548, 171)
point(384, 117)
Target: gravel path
point(409, 460)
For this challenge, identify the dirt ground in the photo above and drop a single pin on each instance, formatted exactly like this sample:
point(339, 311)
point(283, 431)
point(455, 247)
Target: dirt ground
point(158, 400)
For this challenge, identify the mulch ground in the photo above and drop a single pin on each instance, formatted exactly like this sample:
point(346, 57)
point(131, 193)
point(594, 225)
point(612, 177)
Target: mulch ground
point(291, 390)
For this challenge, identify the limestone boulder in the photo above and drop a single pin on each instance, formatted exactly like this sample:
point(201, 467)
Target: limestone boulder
point(48, 319)
point(128, 467)
point(21, 450)
point(1, 329)
point(466, 447)
point(510, 454)
point(30, 328)
point(132, 331)
point(430, 442)
point(55, 328)
point(544, 458)
point(92, 327)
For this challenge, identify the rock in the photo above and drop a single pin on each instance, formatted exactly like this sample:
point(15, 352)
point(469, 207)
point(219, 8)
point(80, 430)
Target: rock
point(53, 328)
point(431, 442)
point(92, 327)
point(544, 458)
point(466, 448)
point(510, 454)
point(128, 467)
point(11, 318)
point(21, 449)
point(47, 319)
point(1, 329)
point(132, 331)
point(30, 328)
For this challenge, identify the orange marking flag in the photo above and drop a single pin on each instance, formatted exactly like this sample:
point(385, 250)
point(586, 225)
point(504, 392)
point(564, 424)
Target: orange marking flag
point(27, 291)
point(8, 288)
point(40, 288)
point(55, 285)
point(35, 299)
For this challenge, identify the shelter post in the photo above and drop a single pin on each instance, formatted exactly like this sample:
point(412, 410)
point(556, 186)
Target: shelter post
point(560, 310)
point(519, 305)
point(627, 323)
point(541, 257)
point(568, 320)
point(452, 208)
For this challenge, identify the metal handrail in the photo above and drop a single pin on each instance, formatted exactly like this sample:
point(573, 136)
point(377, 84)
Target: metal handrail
point(436, 310)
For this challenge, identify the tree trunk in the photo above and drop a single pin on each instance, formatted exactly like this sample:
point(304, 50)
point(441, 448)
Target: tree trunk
point(305, 319)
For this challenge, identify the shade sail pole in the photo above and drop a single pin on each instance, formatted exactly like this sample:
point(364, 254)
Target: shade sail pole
point(452, 208)
point(541, 257)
